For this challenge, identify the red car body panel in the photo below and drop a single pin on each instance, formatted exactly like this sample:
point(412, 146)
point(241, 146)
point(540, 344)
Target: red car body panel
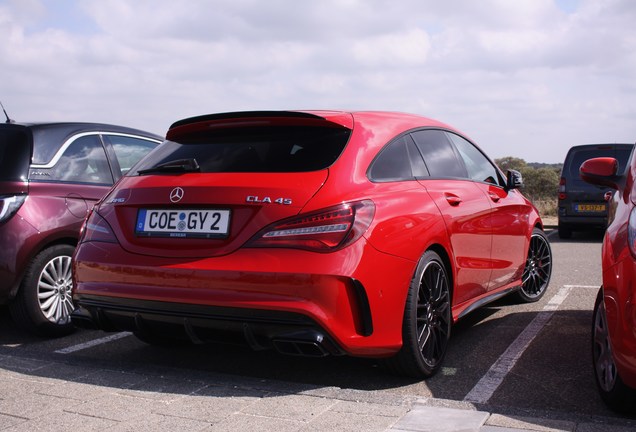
point(619, 280)
point(461, 220)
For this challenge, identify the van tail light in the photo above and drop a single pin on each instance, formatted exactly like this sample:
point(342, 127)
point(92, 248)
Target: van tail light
point(9, 205)
point(324, 231)
point(631, 232)
point(562, 194)
point(96, 229)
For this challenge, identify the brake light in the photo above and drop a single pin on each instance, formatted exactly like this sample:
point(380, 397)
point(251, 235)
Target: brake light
point(562, 194)
point(9, 205)
point(323, 231)
point(96, 229)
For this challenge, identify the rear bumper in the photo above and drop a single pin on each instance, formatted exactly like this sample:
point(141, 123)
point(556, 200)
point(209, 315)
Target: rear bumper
point(17, 240)
point(289, 333)
point(583, 222)
point(347, 302)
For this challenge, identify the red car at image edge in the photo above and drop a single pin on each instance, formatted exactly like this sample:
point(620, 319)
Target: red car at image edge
point(311, 232)
point(614, 321)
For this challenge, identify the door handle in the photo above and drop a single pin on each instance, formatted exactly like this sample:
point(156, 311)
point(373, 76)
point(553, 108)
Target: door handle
point(452, 199)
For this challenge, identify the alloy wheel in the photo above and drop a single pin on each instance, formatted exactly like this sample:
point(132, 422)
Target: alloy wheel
point(433, 314)
point(538, 270)
point(54, 290)
point(604, 365)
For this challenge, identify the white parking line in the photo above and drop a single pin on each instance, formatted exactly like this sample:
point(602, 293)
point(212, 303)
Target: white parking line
point(488, 384)
point(93, 343)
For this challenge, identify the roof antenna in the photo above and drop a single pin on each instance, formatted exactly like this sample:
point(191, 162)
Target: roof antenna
point(5, 114)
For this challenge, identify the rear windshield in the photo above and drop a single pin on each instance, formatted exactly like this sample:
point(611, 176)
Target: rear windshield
point(15, 154)
point(255, 149)
point(578, 156)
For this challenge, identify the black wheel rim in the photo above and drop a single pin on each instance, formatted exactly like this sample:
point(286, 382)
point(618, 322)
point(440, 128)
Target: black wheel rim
point(536, 274)
point(433, 314)
point(604, 365)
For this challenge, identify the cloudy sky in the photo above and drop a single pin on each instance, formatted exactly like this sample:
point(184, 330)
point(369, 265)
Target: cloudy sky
point(523, 78)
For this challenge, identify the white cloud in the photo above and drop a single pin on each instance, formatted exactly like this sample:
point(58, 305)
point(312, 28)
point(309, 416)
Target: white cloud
point(527, 78)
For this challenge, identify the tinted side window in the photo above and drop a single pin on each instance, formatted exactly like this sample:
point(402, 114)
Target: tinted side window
point(392, 164)
point(129, 150)
point(398, 161)
point(439, 155)
point(84, 161)
point(479, 167)
point(417, 163)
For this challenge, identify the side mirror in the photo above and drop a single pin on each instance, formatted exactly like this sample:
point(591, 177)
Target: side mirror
point(514, 179)
point(601, 171)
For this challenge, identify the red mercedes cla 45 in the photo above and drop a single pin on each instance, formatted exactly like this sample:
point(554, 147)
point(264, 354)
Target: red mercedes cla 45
point(315, 233)
point(614, 323)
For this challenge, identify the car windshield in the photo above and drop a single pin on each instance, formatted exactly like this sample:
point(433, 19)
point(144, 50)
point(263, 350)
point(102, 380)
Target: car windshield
point(253, 149)
point(15, 154)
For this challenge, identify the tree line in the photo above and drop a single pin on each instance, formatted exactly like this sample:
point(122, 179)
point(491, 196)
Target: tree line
point(540, 182)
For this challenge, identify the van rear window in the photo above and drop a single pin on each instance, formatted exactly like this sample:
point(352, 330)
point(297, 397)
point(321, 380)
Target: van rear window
point(621, 154)
point(255, 149)
point(15, 154)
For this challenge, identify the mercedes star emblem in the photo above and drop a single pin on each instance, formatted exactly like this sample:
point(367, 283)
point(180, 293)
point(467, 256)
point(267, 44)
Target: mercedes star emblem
point(176, 195)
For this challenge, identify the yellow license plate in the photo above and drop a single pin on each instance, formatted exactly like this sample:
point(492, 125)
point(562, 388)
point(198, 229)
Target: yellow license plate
point(592, 208)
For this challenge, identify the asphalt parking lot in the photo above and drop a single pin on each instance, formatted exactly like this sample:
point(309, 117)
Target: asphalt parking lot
point(526, 367)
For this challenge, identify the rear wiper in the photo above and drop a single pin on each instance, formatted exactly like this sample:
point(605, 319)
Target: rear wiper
point(175, 166)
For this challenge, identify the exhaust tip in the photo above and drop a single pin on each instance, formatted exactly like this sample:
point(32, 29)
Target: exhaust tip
point(306, 343)
point(299, 348)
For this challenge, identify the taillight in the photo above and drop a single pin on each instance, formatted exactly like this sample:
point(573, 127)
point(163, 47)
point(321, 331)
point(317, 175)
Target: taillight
point(9, 205)
point(631, 232)
point(323, 231)
point(562, 194)
point(96, 229)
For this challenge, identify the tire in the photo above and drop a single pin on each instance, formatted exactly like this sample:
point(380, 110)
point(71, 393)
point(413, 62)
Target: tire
point(538, 269)
point(613, 391)
point(427, 320)
point(565, 232)
point(43, 303)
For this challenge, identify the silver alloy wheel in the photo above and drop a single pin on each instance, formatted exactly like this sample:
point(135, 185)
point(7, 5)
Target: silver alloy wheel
point(54, 290)
point(603, 361)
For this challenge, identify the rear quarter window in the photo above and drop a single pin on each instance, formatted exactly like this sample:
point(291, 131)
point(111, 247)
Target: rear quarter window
point(398, 161)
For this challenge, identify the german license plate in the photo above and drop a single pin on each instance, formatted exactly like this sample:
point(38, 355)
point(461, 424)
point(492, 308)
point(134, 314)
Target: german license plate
point(589, 208)
point(183, 223)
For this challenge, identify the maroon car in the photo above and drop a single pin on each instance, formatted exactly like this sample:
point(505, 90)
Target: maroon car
point(50, 176)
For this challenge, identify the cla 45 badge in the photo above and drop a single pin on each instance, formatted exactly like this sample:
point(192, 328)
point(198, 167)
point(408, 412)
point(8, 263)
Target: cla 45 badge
point(268, 200)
